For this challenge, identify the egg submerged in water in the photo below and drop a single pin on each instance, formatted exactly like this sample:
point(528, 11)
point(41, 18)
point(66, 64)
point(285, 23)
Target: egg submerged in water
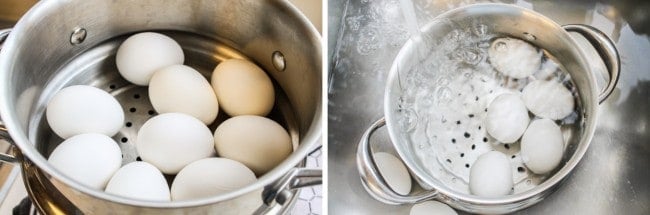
point(139, 180)
point(548, 99)
point(542, 146)
point(514, 58)
point(507, 118)
point(491, 175)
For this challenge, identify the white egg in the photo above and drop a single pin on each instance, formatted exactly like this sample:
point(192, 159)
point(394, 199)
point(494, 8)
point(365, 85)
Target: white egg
point(171, 141)
point(84, 109)
point(394, 172)
point(548, 99)
point(210, 177)
point(514, 58)
point(507, 118)
point(542, 146)
point(491, 175)
point(432, 207)
point(140, 55)
point(181, 89)
point(243, 88)
point(90, 159)
point(257, 142)
point(139, 180)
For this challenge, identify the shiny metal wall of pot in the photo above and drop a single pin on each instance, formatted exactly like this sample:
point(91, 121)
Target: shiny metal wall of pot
point(503, 20)
point(54, 33)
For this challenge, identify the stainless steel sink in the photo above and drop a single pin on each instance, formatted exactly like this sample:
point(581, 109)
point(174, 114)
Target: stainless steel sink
point(612, 178)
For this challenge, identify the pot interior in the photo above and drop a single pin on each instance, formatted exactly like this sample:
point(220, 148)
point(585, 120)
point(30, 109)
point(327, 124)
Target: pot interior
point(436, 98)
point(39, 60)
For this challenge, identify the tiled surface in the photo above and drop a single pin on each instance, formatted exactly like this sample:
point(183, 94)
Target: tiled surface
point(310, 199)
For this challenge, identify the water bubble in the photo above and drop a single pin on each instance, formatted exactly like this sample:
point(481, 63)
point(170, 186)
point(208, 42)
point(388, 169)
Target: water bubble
point(409, 119)
point(501, 46)
point(367, 42)
point(469, 56)
point(354, 22)
point(529, 36)
point(480, 30)
point(444, 95)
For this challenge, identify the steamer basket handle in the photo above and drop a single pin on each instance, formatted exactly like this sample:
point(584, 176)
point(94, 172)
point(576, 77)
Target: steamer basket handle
point(607, 51)
point(4, 33)
point(372, 180)
point(278, 194)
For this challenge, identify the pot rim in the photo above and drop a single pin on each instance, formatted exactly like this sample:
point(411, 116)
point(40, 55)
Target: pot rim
point(19, 138)
point(452, 194)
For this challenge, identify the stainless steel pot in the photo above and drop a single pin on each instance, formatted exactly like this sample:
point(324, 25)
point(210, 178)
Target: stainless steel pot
point(61, 43)
point(510, 21)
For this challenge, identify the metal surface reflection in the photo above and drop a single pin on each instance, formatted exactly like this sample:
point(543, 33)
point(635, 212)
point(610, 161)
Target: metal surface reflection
point(610, 179)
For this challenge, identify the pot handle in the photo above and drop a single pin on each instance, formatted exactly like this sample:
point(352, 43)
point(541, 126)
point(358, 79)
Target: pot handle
point(607, 51)
point(278, 194)
point(4, 134)
point(374, 182)
point(4, 33)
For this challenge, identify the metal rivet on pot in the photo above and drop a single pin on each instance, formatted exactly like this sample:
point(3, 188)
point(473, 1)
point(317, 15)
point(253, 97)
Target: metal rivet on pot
point(78, 36)
point(278, 61)
point(529, 36)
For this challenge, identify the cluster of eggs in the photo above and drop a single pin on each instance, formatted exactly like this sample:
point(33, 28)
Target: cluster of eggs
point(508, 120)
point(177, 141)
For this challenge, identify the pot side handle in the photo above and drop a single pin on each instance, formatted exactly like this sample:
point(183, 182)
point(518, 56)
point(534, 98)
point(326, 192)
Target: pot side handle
point(4, 33)
point(607, 51)
point(4, 134)
point(374, 182)
point(278, 194)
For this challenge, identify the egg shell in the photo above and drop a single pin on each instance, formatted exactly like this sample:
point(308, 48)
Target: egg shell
point(140, 55)
point(83, 109)
point(243, 88)
point(542, 146)
point(507, 118)
point(139, 180)
point(491, 175)
point(257, 142)
point(182, 89)
point(210, 177)
point(171, 141)
point(394, 172)
point(432, 207)
point(514, 58)
point(90, 159)
point(548, 99)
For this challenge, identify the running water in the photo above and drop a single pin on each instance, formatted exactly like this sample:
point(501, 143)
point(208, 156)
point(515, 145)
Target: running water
point(444, 102)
